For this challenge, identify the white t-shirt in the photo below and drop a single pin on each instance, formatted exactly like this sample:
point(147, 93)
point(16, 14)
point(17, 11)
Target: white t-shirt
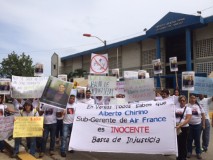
point(179, 112)
point(196, 114)
point(89, 101)
point(205, 104)
point(33, 113)
point(70, 113)
point(49, 114)
point(2, 109)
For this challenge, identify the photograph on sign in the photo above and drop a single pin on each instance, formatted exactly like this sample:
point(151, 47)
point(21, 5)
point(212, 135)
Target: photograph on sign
point(173, 64)
point(157, 66)
point(99, 64)
point(56, 92)
point(81, 92)
point(38, 70)
point(115, 73)
point(188, 80)
point(142, 74)
point(5, 85)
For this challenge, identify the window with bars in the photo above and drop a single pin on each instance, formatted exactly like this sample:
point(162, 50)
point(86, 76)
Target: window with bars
point(204, 48)
point(205, 67)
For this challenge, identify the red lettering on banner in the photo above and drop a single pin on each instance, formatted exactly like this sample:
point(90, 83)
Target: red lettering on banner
point(139, 129)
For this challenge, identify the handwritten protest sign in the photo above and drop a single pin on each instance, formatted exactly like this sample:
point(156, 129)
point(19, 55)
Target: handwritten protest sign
point(28, 127)
point(203, 85)
point(28, 87)
point(102, 85)
point(139, 89)
point(6, 127)
point(125, 128)
point(5, 85)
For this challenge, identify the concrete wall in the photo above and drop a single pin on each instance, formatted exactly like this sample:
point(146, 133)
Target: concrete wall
point(55, 65)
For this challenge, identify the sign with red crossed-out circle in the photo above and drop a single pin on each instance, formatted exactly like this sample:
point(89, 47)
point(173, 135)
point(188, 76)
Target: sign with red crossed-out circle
point(99, 64)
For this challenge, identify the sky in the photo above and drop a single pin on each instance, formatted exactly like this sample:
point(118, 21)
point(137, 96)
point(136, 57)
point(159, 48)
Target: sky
point(41, 27)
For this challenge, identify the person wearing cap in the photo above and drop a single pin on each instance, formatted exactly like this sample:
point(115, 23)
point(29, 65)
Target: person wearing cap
point(3, 108)
point(27, 111)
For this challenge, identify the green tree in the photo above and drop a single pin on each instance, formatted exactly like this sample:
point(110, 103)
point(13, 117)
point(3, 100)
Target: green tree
point(77, 74)
point(18, 65)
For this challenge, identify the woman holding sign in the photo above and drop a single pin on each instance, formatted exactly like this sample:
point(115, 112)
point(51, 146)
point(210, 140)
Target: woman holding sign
point(183, 115)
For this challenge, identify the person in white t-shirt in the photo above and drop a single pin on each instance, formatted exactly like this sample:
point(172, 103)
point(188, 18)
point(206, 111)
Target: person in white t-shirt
point(183, 115)
point(196, 123)
point(88, 99)
point(69, 113)
point(205, 104)
point(49, 127)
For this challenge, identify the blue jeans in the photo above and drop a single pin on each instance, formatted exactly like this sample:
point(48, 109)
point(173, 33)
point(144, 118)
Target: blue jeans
point(32, 145)
point(67, 129)
point(59, 128)
point(1, 145)
point(49, 128)
point(206, 135)
point(194, 134)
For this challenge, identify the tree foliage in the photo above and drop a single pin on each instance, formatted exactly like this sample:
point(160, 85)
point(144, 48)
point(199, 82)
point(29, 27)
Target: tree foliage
point(77, 73)
point(18, 65)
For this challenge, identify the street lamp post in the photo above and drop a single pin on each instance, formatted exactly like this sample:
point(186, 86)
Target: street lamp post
point(89, 35)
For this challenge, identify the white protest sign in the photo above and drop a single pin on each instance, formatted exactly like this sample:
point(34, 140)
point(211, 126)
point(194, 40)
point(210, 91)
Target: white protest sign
point(99, 64)
point(120, 88)
point(6, 127)
point(28, 87)
point(125, 129)
point(130, 75)
point(188, 79)
point(102, 85)
point(139, 89)
point(5, 85)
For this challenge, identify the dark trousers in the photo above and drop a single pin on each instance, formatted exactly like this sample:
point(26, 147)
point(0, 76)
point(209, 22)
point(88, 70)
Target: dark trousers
point(59, 128)
point(182, 143)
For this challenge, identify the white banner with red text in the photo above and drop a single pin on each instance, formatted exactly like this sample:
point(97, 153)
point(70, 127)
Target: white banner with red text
point(137, 128)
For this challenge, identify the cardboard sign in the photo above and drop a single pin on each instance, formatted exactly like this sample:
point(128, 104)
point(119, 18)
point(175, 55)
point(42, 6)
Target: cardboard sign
point(139, 90)
point(62, 77)
point(28, 127)
point(28, 87)
point(102, 85)
point(125, 128)
point(173, 64)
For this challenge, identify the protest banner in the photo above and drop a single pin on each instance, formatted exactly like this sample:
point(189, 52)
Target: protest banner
point(38, 70)
point(203, 85)
point(157, 66)
point(28, 127)
point(99, 64)
point(142, 128)
point(130, 75)
point(56, 92)
point(188, 80)
point(28, 87)
point(6, 127)
point(102, 85)
point(5, 85)
point(139, 90)
point(62, 77)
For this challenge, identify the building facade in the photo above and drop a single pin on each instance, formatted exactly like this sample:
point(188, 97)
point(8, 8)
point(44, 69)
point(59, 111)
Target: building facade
point(187, 37)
